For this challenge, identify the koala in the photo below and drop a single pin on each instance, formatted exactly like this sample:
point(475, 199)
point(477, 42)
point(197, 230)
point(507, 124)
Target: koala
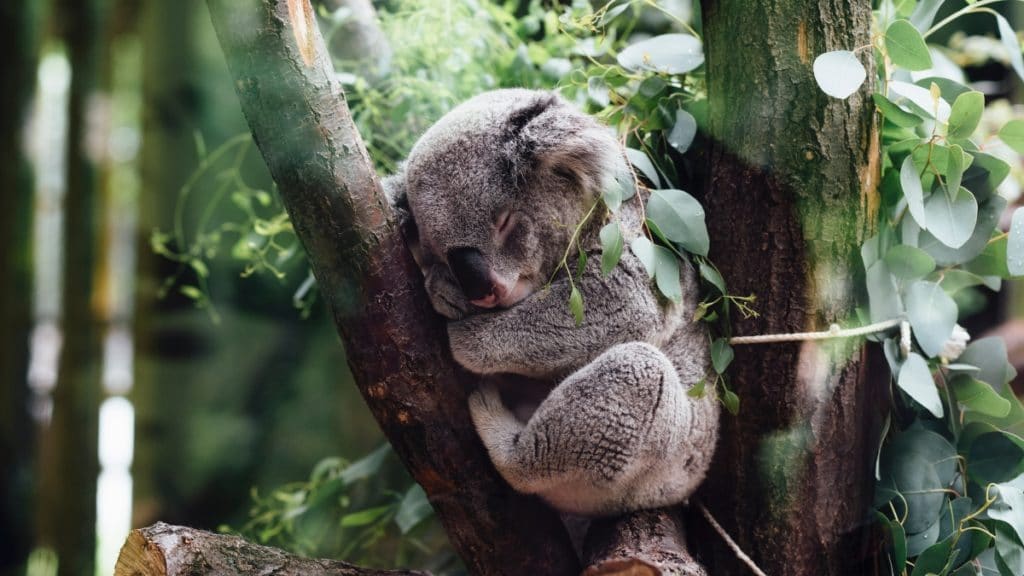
point(489, 199)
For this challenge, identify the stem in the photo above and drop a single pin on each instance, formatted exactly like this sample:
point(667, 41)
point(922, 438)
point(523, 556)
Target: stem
point(961, 12)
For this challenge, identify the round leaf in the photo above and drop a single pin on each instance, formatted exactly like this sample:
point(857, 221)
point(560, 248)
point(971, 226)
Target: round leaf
point(965, 114)
point(611, 246)
point(932, 315)
point(921, 99)
point(839, 73)
point(979, 396)
point(908, 262)
point(668, 53)
point(1013, 134)
point(644, 165)
point(643, 249)
point(952, 222)
point(680, 218)
point(894, 113)
point(906, 47)
point(666, 273)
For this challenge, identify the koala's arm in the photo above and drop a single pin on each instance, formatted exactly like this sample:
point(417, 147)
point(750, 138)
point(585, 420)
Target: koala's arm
point(538, 337)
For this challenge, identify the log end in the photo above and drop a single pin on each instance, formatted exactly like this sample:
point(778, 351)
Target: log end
point(140, 557)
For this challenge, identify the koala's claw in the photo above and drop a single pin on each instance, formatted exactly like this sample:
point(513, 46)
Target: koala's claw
point(496, 425)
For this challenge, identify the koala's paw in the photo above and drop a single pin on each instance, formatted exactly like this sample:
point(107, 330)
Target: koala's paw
point(445, 295)
point(494, 422)
point(469, 346)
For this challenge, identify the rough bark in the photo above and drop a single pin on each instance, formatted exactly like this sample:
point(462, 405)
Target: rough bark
point(395, 344)
point(791, 198)
point(645, 543)
point(165, 550)
point(69, 465)
point(19, 42)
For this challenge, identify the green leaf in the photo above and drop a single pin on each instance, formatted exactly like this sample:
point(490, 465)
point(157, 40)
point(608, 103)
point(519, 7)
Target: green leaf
point(965, 115)
point(713, 277)
point(611, 246)
point(1013, 134)
point(731, 402)
point(667, 53)
point(992, 455)
point(680, 218)
point(979, 396)
point(576, 305)
point(897, 540)
point(934, 559)
point(984, 175)
point(919, 464)
point(1009, 551)
point(910, 181)
point(908, 262)
point(952, 221)
point(894, 113)
point(953, 281)
point(839, 74)
point(1015, 244)
point(581, 262)
point(990, 356)
point(958, 162)
point(366, 466)
point(988, 218)
point(883, 300)
point(191, 292)
point(924, 14)
point(683, 131)
point(920, 100)
point(612, 195)
point(906, 47)
point(666, 274)
point(721, 355)
point(413, 509)
point(1008, 36)
point(916, 380)
point(932, 315)
point(643, 249)
point(698, 389)
point(598, 91)
point(639, 159)
point(200, 267)
point(950, 89)
point(992, 261)
point(364, 517)
point(1009, 508)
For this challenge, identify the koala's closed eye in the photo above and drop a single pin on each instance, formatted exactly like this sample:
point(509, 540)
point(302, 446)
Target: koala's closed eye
point(503, 224)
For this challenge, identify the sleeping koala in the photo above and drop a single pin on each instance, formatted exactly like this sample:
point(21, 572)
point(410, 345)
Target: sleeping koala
point(491, 195)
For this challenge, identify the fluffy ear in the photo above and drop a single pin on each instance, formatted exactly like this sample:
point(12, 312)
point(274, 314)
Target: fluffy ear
point(549, 136)
point(396, 194)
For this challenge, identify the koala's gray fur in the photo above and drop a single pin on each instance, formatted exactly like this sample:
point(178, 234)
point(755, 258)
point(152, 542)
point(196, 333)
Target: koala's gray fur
point(618, 432)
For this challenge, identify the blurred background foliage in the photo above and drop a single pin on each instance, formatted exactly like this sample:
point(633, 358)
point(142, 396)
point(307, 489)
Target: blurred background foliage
point(164, 356)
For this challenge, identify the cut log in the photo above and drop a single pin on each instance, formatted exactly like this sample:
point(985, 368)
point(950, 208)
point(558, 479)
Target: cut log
point(165, 550)
point(644, 543)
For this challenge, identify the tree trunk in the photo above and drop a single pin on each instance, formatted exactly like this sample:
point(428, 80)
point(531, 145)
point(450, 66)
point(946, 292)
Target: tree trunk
point(164, 550)
point(396, 345)
point(69, 464)
point(791, 198)
point(20, 25)
point(645, 543)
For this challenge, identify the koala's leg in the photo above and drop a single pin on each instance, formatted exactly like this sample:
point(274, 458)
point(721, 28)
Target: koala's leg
point(611, 437)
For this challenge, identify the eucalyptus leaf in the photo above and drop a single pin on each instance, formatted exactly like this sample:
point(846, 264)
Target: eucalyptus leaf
point(643, 249)
point(924, 14)
point(952, 221)
point(1013, 134)
point(639, 159)
point(1015, 244)
point(933, 560)
point(413, 509)
point(932, 314)
point(839, 74)
point(713, 277)
point(955, 171)
point(576, 305)
point(1008, 36)
point(921, 99)
point(598, 91)
point(884, 301)
point(979, 396)
point(908, 262)
point(611, 246)
point(910, 181)
point(991, 357)
point(965, 115)
point(683, 131)
point(731, 402)
point(916, 380)
point(666, 274)
point(1009, 508)
point(988, 218)
point(680, 217)
point(366, 466)
point(906, 47)
point(721, 355)
point(894, 113)
point(364, 517)
point(667, 53)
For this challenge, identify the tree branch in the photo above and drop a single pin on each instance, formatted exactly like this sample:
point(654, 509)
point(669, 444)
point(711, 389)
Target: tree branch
point(644, 543)
point(165, 550)
point(395, 343)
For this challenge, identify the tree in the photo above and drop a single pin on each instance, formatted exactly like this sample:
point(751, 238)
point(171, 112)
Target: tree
point(395, 343)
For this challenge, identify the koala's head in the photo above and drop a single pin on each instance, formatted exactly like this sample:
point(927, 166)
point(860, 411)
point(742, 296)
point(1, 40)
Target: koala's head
point(496, 188)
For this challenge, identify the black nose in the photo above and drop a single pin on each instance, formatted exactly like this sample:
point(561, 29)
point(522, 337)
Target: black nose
point(471, 270)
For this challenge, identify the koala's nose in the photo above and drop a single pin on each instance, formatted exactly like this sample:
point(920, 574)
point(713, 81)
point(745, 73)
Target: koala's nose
point(470, 268)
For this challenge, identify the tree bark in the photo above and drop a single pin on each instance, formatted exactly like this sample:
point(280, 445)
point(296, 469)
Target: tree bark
point(69, 464)
point(396, 345)
point(645, 543)
point(165, 550)
point(791, 198)
point(20, 24)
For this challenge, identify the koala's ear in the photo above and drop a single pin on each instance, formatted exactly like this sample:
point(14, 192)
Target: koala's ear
point(551, 137)
point(395, 192)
